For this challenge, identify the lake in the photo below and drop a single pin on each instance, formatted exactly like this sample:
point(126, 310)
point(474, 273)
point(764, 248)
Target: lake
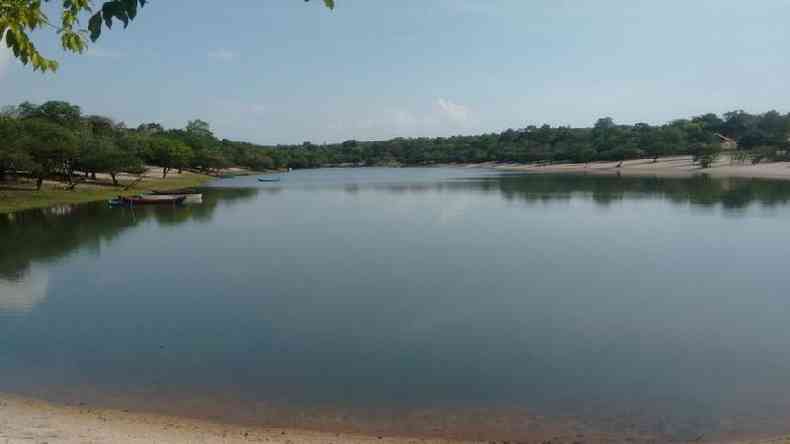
point(369, 297)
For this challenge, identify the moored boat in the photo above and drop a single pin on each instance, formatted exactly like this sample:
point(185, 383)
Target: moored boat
point(180, 192)
point(268, 179)
point(192, 197)
point(151, 200)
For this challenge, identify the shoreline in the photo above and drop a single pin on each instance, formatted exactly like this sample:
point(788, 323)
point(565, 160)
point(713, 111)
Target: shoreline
point(14, 198)
point(666, 167)
point(201, 418)
point(30, 420)
point(25, 420)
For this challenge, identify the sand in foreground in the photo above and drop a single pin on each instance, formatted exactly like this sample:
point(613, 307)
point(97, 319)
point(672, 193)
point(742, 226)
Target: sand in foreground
point(29, 421)
point(25, 420)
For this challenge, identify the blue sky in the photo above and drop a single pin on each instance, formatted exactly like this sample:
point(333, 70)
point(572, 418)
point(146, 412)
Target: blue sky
point(285, 71)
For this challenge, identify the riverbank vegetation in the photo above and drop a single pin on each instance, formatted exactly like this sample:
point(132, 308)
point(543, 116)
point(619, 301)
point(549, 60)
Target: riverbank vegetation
point(756, 137)
point(20, 195)
point(56, 141)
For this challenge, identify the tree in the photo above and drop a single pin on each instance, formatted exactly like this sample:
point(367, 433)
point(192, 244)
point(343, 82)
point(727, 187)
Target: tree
point(167, 153)
point(60, 113)
point(753, 137)
point(12, 157)
point(705, 154)
point(604, 134)
point(584, 154)
point(710, 122)
point(20, 18)
point(737, 123)
point(118, 160)
point(51, 148)
point(775, 127)
point(199, 128)
point(182, 156)
point(100, 125)
point(101, 154)
point(759, 153)
point(150, 128)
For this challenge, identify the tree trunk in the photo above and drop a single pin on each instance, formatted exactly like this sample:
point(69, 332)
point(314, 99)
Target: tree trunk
point(93, 175)
point(114, 180)
point(164, 172)
point(39, 182)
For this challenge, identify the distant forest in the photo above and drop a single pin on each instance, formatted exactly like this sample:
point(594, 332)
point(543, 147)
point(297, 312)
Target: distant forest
point(56, 139)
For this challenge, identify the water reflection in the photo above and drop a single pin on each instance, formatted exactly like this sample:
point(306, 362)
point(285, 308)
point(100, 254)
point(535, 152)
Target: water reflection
point(48, 235)
point(23, 293)
point(567, 294)
point(702, 191)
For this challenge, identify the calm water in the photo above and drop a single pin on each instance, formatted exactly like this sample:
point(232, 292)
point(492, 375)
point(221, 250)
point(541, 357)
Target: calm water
point(664, 302)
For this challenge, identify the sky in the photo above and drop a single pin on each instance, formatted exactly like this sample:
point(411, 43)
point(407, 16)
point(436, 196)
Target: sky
point(286, 71)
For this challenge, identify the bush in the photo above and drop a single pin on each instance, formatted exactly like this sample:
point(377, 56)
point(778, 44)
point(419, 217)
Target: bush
point(705, 154)
point(763, 152)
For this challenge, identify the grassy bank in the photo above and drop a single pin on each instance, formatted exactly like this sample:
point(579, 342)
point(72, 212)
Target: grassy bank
point(22, 195)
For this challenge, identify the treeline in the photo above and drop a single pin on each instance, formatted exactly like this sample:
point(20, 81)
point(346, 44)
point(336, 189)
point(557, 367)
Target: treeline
point(762, 136)
point(758, 137)
point(56, 140)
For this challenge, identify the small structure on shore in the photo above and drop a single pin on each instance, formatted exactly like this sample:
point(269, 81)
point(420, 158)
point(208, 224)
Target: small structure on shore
point(727, 144)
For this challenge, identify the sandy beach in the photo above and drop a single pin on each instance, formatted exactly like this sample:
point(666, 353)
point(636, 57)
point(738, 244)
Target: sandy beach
point(27, 420)
point(678, 166)
point(30, 421)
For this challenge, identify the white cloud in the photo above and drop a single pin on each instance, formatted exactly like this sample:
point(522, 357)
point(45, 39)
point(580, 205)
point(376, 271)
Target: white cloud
point(454, 112)
point(437, 117)
point(22, 295)
point(389, 121)
point(236, 117)
point(224, 55)
point(258, 108)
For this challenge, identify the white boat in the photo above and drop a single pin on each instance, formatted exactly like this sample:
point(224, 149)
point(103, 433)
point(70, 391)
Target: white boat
point(190, 198)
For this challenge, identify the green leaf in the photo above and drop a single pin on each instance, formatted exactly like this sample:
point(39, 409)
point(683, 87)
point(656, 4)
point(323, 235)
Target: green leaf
point(120, 12)
point(11, 42)
point(329, 3)
point(94, 26)
point(106, 12)
point(130, 6)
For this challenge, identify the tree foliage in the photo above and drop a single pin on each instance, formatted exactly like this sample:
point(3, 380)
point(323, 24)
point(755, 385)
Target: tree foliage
point(51, 147)
point(20, 18)
point(55, 140)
